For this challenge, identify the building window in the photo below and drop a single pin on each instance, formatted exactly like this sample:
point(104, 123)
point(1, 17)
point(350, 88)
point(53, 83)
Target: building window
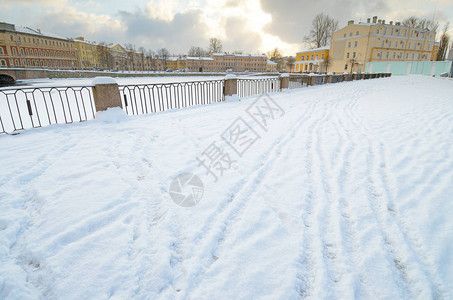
point(12, 39)
point(344, 35)
point(408, 45)
point(407, 54)
point(402, 44)
point(391, 32)
point(385, 31)
point(394, 55)
point(3, 62)
point(349, 44)
point(413, 54)
point(26, 52)
point(14, 51)
point(346, 66)
point(347, 55)
point(377, 31)
point(390, 44)
point(356, 33)
point(1, 50)
point(353, 54)
point(387, 56)
point(355, 44)
point(322, 56)
point(419, 56)
point(405, 32)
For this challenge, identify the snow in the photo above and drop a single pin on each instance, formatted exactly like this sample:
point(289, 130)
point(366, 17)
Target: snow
point(346, 194)
point(111, 115)
point(103, 80)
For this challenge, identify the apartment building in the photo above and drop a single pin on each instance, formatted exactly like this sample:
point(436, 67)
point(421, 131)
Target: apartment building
point(176, 63)
point(271, 66)
point(312, 61)
point(27, 47)
point(239, 62)
point(201, 64)
point(353, 46)
point(87, 54)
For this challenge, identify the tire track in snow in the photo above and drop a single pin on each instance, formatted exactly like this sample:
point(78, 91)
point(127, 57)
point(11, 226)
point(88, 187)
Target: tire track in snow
point(247, 189)
point(415, 276)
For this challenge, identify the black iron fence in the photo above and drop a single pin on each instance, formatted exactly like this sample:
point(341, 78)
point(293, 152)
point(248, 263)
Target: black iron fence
point(297, 81)
point(29, 107)
point(250, 87)
point(148, 98)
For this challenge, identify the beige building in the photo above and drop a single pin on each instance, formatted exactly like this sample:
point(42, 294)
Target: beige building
point(201, 64)
point(357, 44)
point(271, 66)
point(27, 47)
point(225, 62)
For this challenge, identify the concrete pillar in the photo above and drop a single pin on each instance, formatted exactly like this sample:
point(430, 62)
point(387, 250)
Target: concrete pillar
point(328, 78)
point(231, 85)
point(311, 80)
point(106, 93)
point(284, 81)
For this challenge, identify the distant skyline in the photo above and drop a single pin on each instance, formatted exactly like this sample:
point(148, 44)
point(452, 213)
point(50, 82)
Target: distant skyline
point(252, 26)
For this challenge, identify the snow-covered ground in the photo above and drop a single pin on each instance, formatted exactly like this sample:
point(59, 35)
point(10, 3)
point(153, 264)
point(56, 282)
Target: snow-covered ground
point(338, 191)
point(129, 80)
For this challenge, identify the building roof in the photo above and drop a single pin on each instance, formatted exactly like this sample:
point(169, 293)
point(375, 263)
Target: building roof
point(316, 49)
point(199, 58)
point(239, 55)
point(270, 62)
point(32, 31)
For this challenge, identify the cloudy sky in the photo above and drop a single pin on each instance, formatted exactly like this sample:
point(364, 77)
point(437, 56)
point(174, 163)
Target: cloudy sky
point(253, 26)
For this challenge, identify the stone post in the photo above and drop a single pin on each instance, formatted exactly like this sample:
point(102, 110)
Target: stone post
point(329, 78)
point(311, 80)
point(106, 93)
point(284, 81)
point(231, 85)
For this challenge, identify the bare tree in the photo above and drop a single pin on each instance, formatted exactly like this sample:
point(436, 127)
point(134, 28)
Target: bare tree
point(290, 61)
point(163, 54)
point(422, 23)
point(197, 52)
point(443, 43)
point(215, 46)
point(104, 56)
point(130, 53)
point(322, 28)
point(142, 52)
point(274, 54)
point(410, 22)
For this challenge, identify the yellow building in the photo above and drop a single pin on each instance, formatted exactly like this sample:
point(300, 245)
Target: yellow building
point(176, 63)
point(353, 46)
point(312, 61)
point(86, 54)
point(435, 50)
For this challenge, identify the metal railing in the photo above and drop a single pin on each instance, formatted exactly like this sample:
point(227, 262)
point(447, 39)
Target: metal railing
point(32, 107)
point(250, 87)
point(297, 81)
point(149, 98)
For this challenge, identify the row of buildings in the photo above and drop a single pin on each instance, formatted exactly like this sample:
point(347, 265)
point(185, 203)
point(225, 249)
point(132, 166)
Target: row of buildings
point(27, 47)
point(353, 46)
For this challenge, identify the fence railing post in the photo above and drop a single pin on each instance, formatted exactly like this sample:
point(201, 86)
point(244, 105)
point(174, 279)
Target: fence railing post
point(230, 86)
point(106, 93)
point(284, 81)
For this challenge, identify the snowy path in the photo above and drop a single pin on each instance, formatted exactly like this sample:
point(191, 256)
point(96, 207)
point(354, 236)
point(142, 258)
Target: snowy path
point(348, 195)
